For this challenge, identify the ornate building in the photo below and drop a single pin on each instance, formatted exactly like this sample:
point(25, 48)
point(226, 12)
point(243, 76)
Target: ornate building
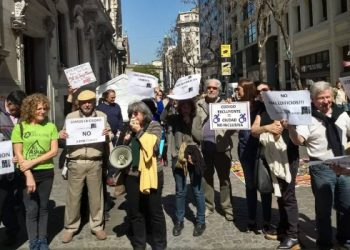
point(41, 38)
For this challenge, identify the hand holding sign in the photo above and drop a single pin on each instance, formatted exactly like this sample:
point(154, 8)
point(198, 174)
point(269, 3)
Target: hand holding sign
point(186, 87)
point(294, 106)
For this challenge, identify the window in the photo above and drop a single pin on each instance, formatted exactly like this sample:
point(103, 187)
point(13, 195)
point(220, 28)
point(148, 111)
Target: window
point(311, 22)
point(250, 33)
point(298, 19)
point(287, 23)
point(324, 10)
point(62, 40)
point(79, 34)
point(343, 6)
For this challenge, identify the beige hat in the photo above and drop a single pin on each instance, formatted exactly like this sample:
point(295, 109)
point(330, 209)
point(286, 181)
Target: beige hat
point(86, 95)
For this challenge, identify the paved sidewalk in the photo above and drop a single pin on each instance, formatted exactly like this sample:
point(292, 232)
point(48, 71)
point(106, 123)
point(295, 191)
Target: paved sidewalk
point(219, 234)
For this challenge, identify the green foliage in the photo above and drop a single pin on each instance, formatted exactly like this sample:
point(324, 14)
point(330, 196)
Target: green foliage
point(147, 69)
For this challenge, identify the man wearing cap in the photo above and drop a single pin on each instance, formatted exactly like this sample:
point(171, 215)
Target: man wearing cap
point(85, 165)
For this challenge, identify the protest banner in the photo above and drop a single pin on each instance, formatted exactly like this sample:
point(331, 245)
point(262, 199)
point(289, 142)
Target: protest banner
point(80, 75)
point(186, 87)
point(345, 81)
point(6, 155)
point(235, 115)
point(141, 84)
point(85, 130)
point(294, 106)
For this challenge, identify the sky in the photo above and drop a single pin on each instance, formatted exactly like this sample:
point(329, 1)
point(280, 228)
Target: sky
point(146, 22)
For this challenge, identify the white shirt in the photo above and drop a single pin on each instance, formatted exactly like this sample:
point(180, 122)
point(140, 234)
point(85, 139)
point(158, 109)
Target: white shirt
point(316, 140)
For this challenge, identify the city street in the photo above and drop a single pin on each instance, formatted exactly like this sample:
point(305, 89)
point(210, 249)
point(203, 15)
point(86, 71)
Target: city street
point(220, 234)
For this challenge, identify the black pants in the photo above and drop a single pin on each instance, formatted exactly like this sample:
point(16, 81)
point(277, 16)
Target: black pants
point(288, 205)
point(36, 205)
point(141, 206)
point(8, 186)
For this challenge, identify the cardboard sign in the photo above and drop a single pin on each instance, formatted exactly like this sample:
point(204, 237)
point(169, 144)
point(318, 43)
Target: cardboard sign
point(346, 84)
point(80, 75)
point(85, 130)
point(186, 87)
point(6, 155)
point(235, 115)
point(141, 84)
point(294, 106)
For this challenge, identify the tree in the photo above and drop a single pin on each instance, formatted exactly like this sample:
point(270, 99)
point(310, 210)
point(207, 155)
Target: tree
point(147, 69)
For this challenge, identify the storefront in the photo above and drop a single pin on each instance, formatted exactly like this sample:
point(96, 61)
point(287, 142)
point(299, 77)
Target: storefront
point(314, 67)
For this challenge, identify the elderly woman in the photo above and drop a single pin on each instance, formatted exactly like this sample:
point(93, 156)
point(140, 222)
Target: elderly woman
point(142, 183)
point(181, 124)
point(324, 139)
point(35, 145)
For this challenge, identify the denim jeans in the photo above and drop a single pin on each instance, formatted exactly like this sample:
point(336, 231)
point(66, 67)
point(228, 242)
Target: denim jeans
point(251, 193)
point(181, 190)
point(330, 189)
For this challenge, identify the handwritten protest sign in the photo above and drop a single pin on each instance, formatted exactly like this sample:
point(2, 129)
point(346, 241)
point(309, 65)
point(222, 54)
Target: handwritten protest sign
point(294, 106)
point(141, 84)
point(85, 130)
point(186, 87)
point(346, 84)
point(6, 155)
point(234, 115)
point(80, 75)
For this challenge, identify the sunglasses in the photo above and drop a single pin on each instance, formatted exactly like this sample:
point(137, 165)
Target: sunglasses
point(262, 90)
point(212, 87)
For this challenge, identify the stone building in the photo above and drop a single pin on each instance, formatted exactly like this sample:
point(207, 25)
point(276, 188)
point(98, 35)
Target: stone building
point(317, 30)
point(41, 38)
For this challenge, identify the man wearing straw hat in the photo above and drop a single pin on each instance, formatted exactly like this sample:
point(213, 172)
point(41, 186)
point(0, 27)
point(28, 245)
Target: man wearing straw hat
point(85, 164)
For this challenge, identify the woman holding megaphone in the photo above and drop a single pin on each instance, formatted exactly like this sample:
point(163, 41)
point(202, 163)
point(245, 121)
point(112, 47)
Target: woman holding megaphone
point(141, 182)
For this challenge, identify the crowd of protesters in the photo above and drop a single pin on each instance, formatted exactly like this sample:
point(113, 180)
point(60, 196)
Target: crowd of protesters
point(193, 149)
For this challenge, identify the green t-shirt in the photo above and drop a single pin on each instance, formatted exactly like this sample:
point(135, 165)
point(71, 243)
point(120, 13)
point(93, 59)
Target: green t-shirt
point(36, 141)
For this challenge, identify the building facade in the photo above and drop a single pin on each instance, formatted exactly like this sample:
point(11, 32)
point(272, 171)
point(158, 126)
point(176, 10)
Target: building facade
point(41, 38)
point(318, 35)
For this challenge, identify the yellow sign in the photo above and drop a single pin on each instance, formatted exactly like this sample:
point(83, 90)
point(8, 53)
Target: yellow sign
point(226, 68)
point(225, 50)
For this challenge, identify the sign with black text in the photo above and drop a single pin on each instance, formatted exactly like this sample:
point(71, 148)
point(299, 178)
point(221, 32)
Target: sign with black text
point(141, 84)
point(85, 130)
point(346, 84)
point(235, 115)
point(6, 155)
point(80, 75)
point(294, 106)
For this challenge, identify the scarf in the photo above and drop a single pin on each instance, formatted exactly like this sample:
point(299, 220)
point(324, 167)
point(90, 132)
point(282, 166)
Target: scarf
point(332, 131)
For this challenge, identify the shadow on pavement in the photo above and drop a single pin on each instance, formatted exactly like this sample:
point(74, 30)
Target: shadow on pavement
point(56, 220)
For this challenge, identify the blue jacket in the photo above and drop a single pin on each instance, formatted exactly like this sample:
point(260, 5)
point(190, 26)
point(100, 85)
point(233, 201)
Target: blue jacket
point(114, 115)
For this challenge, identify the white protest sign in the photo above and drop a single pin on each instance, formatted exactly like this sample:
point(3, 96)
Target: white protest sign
point(186, 87)
point(80, 75)
point(6, 155)
point(141, 84)
point(235, 115)
point(346, 84)
point(341, 161)
point(85, 130)
point(294, 106)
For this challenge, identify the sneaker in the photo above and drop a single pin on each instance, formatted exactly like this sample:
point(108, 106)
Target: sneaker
point(208, 212)
point(270, 232)
point(198, 229)
point(289, 243)
point(100, 235)
point(33, 244)
point(67, 236)
point(178, 228)
point(42, 244)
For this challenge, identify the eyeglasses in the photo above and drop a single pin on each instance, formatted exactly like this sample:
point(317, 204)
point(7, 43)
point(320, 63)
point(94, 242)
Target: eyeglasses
point(212, 87)
point(134, 113)
point(262, 90)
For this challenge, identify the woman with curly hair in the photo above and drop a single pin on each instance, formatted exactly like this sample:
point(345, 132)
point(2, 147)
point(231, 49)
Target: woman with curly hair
point(35, 145)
